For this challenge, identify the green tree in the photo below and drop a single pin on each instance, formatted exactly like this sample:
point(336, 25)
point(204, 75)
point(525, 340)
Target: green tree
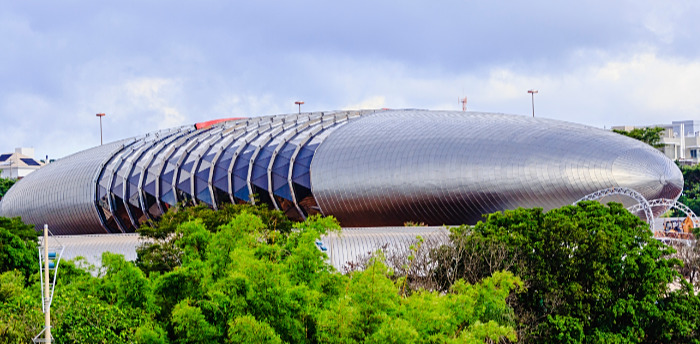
point(20, 309)
point(191, 326)
point(5, 185)
point(587, 273)
point(691, 189)
point(592, 271)
point(245, 281)
point(246, 329)
point(372, 311)
point(18, 247)
point(650, 136)
point(242, 267)
point(160, 254)
point(84, 310)
point(151, 334)
point(124, 285)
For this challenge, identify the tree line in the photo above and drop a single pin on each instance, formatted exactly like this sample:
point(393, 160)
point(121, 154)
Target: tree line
point(6, 184)
point(587, 273)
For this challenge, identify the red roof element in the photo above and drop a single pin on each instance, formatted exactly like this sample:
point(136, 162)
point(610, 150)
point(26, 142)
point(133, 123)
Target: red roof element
point(207, 124)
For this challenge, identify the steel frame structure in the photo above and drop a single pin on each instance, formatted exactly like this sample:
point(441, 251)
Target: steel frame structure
point(642, 202)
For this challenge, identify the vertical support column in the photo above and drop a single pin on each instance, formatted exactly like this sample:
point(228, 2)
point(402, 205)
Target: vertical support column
point(681, 133)
point(47, 300)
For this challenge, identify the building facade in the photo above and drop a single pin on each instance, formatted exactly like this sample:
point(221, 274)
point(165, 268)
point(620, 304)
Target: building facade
point(366, 168)
point(19, 164)
point(681, 140)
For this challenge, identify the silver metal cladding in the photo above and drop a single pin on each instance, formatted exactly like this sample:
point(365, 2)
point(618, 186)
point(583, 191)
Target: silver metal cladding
point(367, 168)
point(61, 193)
point(452, 167)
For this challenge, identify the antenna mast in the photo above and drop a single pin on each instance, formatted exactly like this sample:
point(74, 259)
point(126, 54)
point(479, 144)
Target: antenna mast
point(464, 103)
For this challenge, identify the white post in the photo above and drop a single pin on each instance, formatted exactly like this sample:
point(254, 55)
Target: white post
point(47, 301)
point(682, 132)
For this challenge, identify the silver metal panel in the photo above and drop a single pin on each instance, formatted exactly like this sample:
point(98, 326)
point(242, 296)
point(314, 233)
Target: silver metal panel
point(226, 142)
point(204, 135)
point(315, 136)
point(106, 204)
point(241, 145)
point(450, 168)
point(289, 134)
point(118, 164)
point(172, 153)
point(130, 168)
point(144, 159)
point(250, 142)
point(61, 193)
point(355, 245)
point(368, 168)
point(309, 136)
point(261, 144)
point(208, 147)
point(148, 166)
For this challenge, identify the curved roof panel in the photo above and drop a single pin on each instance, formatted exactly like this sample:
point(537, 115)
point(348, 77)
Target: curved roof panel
point(367, 168)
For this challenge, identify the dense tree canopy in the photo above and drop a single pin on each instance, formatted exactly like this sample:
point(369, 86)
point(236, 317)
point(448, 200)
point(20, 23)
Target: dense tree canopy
point(6, 184)
point(240, 276)
point(691, 188)
point(579, 274)
point(650, 136)
point(18, 247)
point(593, 273)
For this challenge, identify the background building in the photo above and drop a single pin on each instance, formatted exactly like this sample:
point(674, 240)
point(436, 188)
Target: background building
point(681, 140)
point(18, 164)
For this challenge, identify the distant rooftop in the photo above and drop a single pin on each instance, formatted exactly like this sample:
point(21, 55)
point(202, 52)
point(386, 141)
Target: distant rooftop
point(18, 164)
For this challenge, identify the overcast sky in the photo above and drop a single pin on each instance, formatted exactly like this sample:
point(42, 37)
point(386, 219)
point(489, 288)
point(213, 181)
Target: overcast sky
point(157, 64)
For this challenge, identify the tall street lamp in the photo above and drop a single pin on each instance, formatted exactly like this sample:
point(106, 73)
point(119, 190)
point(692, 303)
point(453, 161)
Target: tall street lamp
point(100, 115)
point(299, 103)
point(532, 92)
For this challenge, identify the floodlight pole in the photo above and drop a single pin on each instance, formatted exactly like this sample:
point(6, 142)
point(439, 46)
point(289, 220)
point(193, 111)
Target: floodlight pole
point(100, 115)
point(532, 92)
point(299, 103)
point(47, 300)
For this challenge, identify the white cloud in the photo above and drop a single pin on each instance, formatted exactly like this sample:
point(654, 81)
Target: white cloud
point(636, 64)
point(157, 95)
point(375, 102)
point(656, 83)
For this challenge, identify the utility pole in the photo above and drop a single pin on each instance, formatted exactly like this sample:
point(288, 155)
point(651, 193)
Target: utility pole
point(464, 103)
point(48, 262)
point(100, 115)
point(532, 92)
point(47, 297)
point(299, 103)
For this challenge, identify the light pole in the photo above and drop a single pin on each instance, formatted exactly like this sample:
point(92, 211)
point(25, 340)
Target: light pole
point(299, 103)
point(100, 115)
point(532, 92)
point(47, 292)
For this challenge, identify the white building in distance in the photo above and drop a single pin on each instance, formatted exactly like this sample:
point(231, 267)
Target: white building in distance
point(18, 164)
point(681, 140)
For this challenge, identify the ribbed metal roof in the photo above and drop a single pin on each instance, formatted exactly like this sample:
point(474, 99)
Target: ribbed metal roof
point(367, 168)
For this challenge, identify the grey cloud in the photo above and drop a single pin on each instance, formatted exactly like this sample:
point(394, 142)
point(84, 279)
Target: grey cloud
point(66, 61)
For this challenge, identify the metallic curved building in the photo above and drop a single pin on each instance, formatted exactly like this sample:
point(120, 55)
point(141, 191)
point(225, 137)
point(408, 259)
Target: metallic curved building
point(367, 168)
